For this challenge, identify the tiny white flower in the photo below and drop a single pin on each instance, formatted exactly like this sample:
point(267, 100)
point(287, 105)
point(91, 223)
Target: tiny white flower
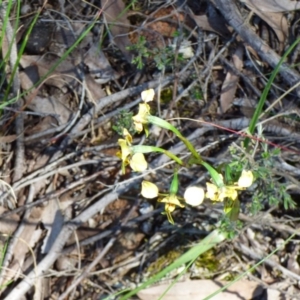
point(186, 49)
point(194, 195)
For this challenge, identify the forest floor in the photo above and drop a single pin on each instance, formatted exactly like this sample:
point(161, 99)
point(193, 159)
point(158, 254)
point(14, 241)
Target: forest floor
point(72, 225)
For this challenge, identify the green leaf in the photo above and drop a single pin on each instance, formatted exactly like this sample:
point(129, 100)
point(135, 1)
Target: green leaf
point(216, 177)
point(163, 124)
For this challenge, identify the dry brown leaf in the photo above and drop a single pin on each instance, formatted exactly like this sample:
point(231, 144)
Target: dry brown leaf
point(55, 213)
point(276, 20)
point(292, 263)
point(8, 197)
point(274, 294)
point(205, 24)
point(43, 125)
point(115, 14)
point(273, 5)
point(9, 224)
point(63, 75)
point(64, 37)
point(8, 139)
point(231, 81)
point(99, 66)
point(50, 106)
point(163, 27)
point(53, 106)
point(165, 23)
point(199, 289)
point(94, 90)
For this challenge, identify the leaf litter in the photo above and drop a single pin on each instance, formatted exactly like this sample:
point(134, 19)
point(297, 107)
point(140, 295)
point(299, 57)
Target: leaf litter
point(69, 207)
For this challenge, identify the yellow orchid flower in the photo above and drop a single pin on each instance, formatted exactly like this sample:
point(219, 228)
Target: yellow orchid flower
point(212, 192)
point(149, 189)
point(228, 192)
point(216, 193)
point(136, 161)
point(141, 118)
point(171, 202)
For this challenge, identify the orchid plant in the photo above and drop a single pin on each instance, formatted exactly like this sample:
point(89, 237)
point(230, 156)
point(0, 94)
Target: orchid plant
point(133, 155)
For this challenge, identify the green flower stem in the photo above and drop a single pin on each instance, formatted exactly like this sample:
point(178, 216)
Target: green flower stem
point(149, 149)
point(166, 125)
point(196, 159)
point(174, 184)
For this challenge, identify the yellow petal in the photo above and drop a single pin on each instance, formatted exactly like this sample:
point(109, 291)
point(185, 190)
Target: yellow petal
point(141, 117)
point(169, 207)
point(172, 199)
point(125, 149)
point(228, 192)
point(212, 192)
point(138, 126)
point(169, 216)
point(127, 136)
point(149, 190)
point(246, 179)
point(144, 111)
point(138, 162)
point(194, 195)
point(148, 95)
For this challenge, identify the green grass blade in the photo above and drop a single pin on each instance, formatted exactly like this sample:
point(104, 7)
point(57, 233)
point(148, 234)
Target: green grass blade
point(2, 36)
point(249, 270)
point(64, 56)
point(16, 66)
point(207, 243)
point(266, 90)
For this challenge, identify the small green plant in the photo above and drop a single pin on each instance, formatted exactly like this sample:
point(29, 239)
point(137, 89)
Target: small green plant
point(142, 52)
point(197, 93)
point(123, 120)
point(163, 57)
point(269, 189)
